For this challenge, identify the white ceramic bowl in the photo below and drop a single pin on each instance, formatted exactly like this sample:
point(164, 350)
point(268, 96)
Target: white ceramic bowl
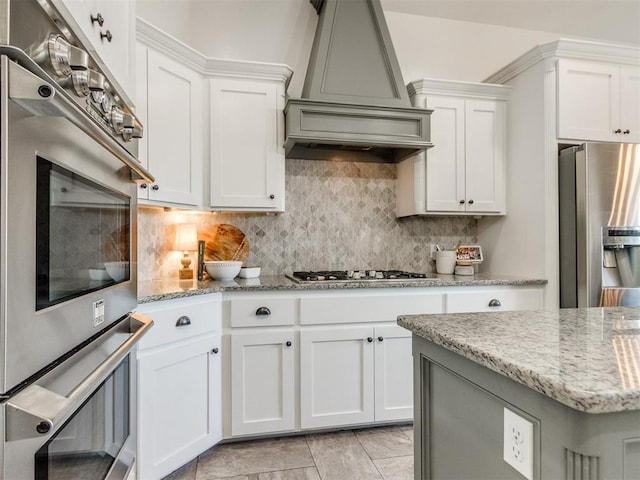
point(117, 270)
point(249, 272)
point(99, 274)
point(223, 270)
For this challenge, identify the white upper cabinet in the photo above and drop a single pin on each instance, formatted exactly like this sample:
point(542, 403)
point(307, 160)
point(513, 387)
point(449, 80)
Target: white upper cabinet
point(463, 173)
point(247, 135)
point(169, 100)
point(598, 101)
point(109, 28)
point(227, 157)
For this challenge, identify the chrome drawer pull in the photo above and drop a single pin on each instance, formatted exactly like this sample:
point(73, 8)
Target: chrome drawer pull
point(183, 321)
point(263, 311)
point(494, 302)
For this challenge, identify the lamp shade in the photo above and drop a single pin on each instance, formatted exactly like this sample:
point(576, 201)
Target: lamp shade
point(186, 237)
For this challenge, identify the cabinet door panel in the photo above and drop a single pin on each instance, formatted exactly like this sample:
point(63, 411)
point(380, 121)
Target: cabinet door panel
point(630, 103)
point(588, 100)
point(246, 164)
point(336, 381)
point(178, 405)
point(394, 374)
point(262, 382)
point(485, 143)
point(446, 160)
point(174, 130)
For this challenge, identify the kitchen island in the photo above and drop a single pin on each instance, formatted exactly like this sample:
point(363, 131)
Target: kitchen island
point(573, 375)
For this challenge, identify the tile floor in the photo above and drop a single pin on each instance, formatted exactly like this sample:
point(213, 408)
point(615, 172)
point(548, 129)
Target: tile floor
point(382, 453)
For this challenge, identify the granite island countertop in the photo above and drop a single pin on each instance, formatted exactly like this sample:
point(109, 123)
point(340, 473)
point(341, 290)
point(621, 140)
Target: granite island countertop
point(169, 288)
point(586, 358)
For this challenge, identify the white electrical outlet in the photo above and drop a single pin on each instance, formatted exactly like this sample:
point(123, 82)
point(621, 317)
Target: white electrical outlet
point(518, 443)
point(432, 250)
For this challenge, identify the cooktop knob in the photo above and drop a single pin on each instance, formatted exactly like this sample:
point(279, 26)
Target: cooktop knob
point(132, 132)
point(87, 81)
point(117, 119)
point(106, 103)
point(132, 128)
point(65, 58)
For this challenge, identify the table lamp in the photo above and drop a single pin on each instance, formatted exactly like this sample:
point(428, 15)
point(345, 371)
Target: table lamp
point(186, 241)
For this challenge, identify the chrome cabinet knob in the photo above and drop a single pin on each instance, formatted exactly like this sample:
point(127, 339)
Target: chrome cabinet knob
point(380, 339)
point(99, 19)
point(143, 186)
point(215, 350)
point(65, 58)
point(494, 302)
point(470, 202)
point(618, 130)
point(626, 132)
point(288, 344)
point(272, 196)
point(183, 321)
point(461, 202)
point(155, 187)
point(263, 312)
point(369, 339)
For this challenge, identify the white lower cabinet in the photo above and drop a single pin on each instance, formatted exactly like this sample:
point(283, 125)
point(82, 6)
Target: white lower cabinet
point(179, 384)
point(263, 382)
point(336, 381)
point(306, 360)
point(393, 365)
point(352, 375)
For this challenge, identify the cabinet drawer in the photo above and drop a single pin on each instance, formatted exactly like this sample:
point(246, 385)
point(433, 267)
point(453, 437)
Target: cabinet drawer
point(494, 300)
point(203, 316)
point(372, 307)
point(262, 312)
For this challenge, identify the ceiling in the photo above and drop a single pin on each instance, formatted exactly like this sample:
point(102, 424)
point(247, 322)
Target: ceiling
point(608, 20)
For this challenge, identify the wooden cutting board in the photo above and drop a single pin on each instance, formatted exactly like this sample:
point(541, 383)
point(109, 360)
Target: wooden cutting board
point(224, 242)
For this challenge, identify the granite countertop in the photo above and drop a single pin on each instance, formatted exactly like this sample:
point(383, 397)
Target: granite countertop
point(168, 288)
point(586, 358)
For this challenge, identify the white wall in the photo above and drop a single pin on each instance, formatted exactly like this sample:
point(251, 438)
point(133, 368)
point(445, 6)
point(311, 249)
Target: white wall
point(273, 31)
point(429, 47)
point(170, 16)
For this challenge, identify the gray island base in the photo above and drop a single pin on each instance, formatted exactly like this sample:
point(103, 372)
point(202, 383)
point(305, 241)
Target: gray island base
point(573, 375)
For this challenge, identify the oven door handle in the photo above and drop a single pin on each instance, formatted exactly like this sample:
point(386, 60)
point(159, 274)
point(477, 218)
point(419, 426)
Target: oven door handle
point(37, 411)
point(32, 88)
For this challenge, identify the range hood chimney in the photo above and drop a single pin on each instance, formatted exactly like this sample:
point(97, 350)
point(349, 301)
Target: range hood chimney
point(354, 104)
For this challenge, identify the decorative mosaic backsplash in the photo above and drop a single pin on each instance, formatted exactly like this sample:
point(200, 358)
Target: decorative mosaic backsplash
point(339, 215)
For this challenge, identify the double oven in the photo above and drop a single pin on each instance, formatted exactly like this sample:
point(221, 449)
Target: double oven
point(68, 167)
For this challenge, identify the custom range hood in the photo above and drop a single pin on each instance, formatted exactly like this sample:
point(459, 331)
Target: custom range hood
point(354, 104)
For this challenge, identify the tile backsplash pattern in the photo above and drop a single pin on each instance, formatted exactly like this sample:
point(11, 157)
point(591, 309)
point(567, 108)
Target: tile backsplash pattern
point(338, 215)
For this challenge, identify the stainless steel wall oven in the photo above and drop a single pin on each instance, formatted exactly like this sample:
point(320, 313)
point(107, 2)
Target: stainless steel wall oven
point(68, 283)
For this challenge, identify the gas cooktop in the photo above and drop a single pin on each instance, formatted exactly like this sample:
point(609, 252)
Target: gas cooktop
point(358, 276)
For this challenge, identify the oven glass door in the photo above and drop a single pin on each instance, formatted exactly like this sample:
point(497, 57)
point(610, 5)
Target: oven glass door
point(89, 443)
point(82, 235)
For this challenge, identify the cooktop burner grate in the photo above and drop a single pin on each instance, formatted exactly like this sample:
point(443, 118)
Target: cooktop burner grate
point(357, 275)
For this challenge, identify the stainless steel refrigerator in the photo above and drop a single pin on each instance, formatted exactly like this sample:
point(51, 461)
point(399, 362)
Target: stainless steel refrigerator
point(599, 191)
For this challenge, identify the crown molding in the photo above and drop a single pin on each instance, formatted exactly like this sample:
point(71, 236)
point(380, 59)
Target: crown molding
point(432, 86)
point(219, 67)
point(568, 48)
point(157, 39)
